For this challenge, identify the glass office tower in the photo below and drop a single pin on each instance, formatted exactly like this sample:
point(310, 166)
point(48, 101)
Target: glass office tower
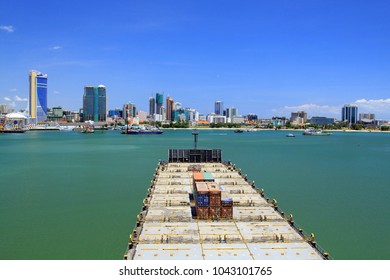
point(38, 96)
point(95, 103)
point(349, 114)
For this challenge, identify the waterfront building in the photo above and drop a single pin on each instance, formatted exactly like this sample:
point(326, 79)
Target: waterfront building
point(3, 108)
point(55, 114)
point(142, 116)
point(192, 114)
point(218, 107)
point(202, 118)
point(152, 106)
point(366, 117)
point(14, 120)
point(38, 96)
point(279, 121)
point(159, 102)
point(115, 113)
point(252, 117)
point(213, 118)
point(322, 120)
point(238, 119)
point(169, 108)
point(179, 115)
point(349, 114)
point(298, 118)
point(95, 103)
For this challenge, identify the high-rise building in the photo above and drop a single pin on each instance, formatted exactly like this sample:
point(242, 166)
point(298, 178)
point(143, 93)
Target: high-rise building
point(38, 96)
point(102, 107)
point(152, 106)
point(349, 114)
point(3, 108)
point(300, 117)
point(218, 108)
point(95, 103)
point(159, 103)
point(366, 117)
point(169, 109)
point(231, 112)
point(129, 110)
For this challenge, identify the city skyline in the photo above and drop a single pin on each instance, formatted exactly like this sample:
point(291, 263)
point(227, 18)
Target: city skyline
point(263, 58)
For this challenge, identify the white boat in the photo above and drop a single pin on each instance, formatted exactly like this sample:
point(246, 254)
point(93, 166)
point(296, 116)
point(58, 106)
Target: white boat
point(315, 132)
point(47, 126)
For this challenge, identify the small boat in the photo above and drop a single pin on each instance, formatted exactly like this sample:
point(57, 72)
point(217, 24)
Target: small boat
point(88, 129)
point(238, 131)
point(290, 135)
point(315, 132)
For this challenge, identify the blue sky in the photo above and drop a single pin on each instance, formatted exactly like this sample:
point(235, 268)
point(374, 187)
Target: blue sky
point(263, 57)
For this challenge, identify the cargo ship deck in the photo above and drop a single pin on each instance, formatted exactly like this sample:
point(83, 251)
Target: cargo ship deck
point(169, 227)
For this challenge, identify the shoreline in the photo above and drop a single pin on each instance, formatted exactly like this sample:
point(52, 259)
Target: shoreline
point(283, 129)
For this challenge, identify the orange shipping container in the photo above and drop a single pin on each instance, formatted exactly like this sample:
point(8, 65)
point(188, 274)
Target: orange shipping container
point(198, 176)
point(201, 188)
point(214, 188)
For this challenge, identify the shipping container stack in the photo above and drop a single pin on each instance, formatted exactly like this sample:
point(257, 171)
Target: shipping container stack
point(227, 208)
point(208, 199)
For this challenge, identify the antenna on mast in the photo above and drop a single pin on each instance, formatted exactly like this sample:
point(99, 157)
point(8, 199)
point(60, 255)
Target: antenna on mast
point(195, 133)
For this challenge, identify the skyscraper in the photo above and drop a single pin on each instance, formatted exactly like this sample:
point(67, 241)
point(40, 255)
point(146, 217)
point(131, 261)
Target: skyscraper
point(102, 100)
point(218, 108)
point(95, 103)
point(349, 114)
point(152, 106)
point(159, 102)
point(129, 110)
point(169, 106)
point(38, 96)
point(231, 112)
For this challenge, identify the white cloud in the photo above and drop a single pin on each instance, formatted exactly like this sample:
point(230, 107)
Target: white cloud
point(56, 92)
point(374, 105)
point(7, 99)
point(8, 28)
point(55, 48)
point(17, 98)
point(12, 104)
point(13, 90)
point(311, 109)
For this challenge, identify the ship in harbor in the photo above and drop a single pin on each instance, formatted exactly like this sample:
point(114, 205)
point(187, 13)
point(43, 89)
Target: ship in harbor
point(315, 132)
point(141, 130)
point(200, 207)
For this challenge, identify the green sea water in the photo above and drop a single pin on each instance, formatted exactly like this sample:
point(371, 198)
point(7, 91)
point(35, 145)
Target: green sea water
point(69, 195)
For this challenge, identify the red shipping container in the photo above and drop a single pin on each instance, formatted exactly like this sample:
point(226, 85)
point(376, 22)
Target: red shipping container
point(215, 200)
point(202, 212)
point(215, 212)
point(227, 212)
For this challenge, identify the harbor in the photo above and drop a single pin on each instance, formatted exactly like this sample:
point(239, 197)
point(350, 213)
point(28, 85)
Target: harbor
point(199, 207)
point(87, 190)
